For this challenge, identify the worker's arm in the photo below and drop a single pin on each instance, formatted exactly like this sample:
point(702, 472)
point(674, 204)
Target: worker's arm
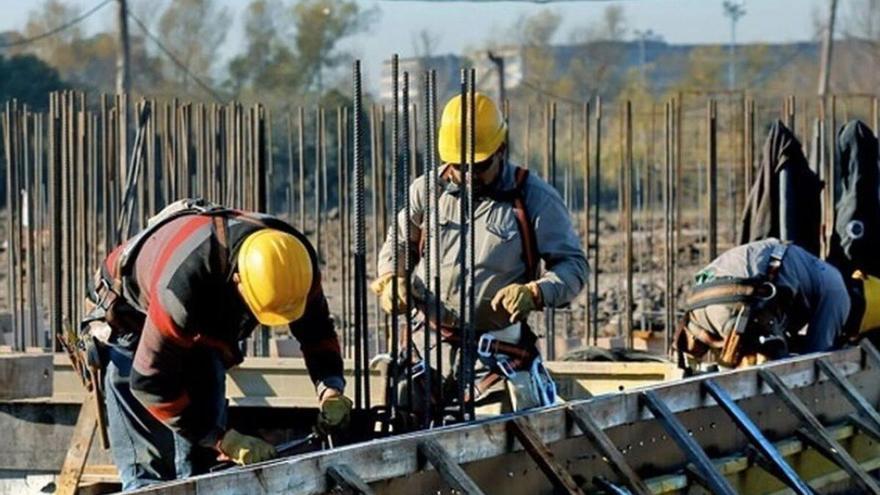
point(558, 245)
point(829, 305)
point(416, 202)
point(157, 379)
point(318, 341)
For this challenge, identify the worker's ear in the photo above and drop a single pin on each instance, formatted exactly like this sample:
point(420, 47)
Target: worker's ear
point(237, 281)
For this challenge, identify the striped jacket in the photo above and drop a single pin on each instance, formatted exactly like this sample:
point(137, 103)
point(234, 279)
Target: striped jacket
point(188, 305)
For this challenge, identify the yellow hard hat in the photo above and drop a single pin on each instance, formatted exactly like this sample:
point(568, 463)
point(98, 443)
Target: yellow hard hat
point(275, 272)
point(871, 290)
point(491, 130)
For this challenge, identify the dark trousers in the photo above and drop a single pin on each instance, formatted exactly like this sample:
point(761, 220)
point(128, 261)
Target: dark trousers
point(144, 450)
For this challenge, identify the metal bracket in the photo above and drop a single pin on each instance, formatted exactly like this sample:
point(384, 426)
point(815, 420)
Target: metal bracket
point(714, 480)
point(343, 477)
point(858, 401)
point(543, 456)
point(864, 426)
point(815, 433)
point(775, 463)
point(448, 469)
point(609, 487)
point(609, 451)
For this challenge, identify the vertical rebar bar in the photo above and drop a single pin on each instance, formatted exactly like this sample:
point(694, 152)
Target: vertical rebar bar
point(471, 234)
point(434, 199)
point(395, 241)
point(362, 350)
point(712, 176)
point(628, 226)
point(588, 288)
point(405, 150)
point(597, 195)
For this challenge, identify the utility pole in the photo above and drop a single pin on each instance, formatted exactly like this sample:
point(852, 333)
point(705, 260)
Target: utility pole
point(123, 55)
point(734, 11)
point(643, 36)
point(498, 60)
point(827, 43)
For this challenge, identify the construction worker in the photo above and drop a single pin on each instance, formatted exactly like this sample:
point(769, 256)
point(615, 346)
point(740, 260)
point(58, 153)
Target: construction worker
point(173, 305)
point(763, 300)
point(519, 220)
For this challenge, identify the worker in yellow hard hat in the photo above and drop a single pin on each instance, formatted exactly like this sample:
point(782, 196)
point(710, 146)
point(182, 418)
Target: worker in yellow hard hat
point(173, 305)
point(520, 221)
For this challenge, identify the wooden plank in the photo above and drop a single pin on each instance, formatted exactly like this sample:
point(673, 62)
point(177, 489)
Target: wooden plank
point(80, 443)
point(815, 432)
point(345, 478)
point(448, 469)
point(543, 456)
point(609, 451)
point(25, 376)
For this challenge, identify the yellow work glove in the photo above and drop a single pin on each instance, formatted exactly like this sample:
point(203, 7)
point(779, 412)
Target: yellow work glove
point(245, 449)
point(517, 299)
point(335, 412)
point(382, 287)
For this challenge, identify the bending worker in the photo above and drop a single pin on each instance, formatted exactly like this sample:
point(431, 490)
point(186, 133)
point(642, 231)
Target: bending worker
point(173, 304)
point(519, 220)
point(760, 301)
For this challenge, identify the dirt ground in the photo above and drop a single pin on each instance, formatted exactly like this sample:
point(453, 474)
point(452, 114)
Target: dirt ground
point(649, 284)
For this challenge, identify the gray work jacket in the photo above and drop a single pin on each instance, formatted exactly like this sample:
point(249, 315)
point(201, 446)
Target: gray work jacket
point(499, 259)
point(818, 287)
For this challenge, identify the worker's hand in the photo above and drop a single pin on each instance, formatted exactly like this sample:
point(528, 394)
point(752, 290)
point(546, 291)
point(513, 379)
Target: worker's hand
point(517, 299)
point(245, 449)
point(382, 287)
point(335, 412)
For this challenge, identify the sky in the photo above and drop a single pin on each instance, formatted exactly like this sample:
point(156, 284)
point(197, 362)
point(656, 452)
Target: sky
point(459, 25)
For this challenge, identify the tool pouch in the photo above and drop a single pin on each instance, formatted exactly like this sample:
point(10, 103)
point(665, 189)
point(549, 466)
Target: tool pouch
point(732, 351)
point(522, 395)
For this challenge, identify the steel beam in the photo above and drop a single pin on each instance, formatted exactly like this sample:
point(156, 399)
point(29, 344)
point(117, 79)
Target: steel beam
point(448, 469)
point(714, 480)
point(343, 477)
point(543, 456)
point(609, 451)
point(775, 462)
point(814, 432)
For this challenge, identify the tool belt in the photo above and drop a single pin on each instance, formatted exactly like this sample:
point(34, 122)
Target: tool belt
point(760, 327)
point(504, 359)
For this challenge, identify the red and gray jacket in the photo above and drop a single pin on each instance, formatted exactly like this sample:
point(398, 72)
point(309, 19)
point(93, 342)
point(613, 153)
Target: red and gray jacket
point(188, 301)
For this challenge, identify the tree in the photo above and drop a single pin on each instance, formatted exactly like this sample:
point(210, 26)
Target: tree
point(290, 49)
point(319, 26)
point(28, 79)
point(193, 30)
point(60, 49)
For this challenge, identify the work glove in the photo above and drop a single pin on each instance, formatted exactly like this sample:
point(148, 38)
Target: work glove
point(382, 287)
point(517, 299)
point(335, 412)
point(245, 449)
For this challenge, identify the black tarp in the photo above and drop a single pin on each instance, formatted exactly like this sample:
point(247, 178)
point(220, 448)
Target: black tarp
point(855, 242)
point(783, 164)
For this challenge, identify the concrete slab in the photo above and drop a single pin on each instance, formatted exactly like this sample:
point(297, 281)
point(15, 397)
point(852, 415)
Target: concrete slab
point(25, 376)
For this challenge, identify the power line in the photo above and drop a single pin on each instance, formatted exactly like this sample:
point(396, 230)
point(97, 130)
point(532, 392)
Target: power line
point(54, 31)
point(174, 59)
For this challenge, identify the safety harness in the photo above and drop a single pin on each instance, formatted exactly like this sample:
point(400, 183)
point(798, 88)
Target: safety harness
point(116, 301)
point(506, 358)
point(760, 324)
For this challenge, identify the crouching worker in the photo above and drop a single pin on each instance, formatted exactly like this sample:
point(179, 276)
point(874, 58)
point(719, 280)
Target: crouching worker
point(172, 305)
point(761, 301)
point(519, 220)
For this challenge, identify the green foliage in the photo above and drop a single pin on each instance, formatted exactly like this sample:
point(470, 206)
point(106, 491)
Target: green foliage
point(292, 48)
point(28, 79)
point(194, 29)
